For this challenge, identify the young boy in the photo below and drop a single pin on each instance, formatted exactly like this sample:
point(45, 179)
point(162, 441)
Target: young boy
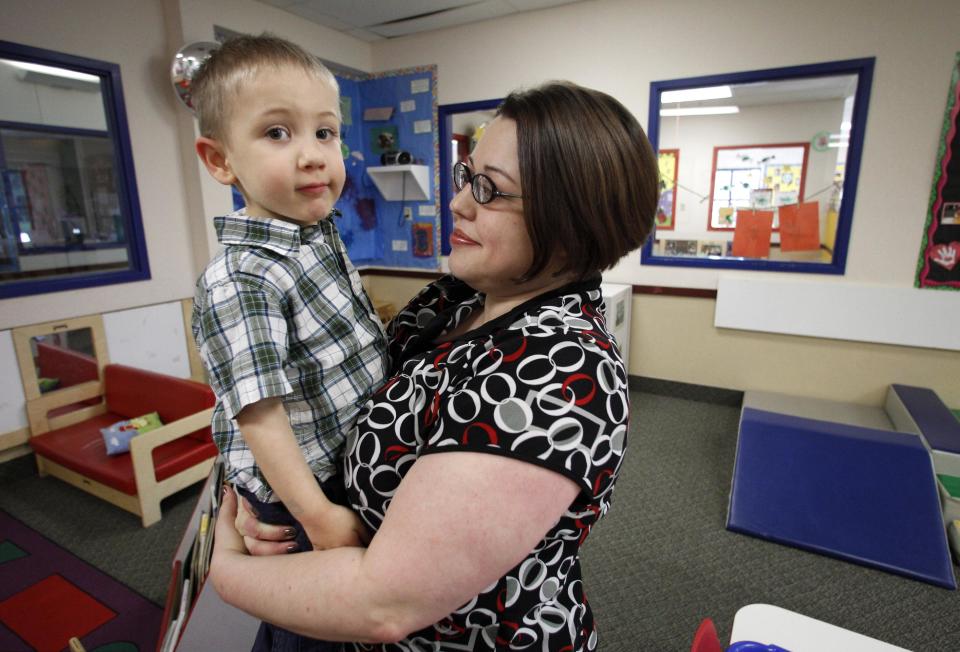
point(290, 339)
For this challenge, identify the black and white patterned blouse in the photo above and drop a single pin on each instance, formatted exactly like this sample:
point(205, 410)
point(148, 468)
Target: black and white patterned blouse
point(544, 384)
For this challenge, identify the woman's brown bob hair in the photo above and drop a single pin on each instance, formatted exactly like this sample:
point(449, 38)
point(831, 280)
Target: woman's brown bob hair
point(589, 177)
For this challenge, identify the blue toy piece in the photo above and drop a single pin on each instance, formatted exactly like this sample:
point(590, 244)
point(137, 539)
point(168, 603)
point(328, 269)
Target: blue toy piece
point(864, 494)
point(753, 646)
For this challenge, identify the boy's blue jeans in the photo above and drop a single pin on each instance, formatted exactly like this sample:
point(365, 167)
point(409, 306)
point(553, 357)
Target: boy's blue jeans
point(271, 638)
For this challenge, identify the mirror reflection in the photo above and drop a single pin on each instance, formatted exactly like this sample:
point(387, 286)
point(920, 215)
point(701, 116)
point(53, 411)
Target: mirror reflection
point(68, 212)
point(59, 204)
point(467, 129)
point(64, 359)
point(756, 167)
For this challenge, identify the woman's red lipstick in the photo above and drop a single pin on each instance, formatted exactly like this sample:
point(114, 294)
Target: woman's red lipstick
point(459, 238)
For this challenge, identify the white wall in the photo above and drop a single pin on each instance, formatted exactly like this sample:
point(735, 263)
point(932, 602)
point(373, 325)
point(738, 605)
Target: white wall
point(620, 46)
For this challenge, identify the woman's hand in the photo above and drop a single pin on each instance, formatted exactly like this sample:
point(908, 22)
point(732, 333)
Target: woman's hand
point(258, 538)
point(337, 527)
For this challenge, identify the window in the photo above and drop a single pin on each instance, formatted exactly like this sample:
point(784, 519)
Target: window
point(69, 214)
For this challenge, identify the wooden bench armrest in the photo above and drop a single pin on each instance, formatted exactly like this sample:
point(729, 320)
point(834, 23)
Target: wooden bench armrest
point(39, 408)
point(145, 443)
point(141, 446)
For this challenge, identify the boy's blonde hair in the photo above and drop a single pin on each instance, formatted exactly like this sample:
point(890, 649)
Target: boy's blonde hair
point(217, 84)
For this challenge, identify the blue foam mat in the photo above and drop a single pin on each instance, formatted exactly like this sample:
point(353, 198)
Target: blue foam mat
point(859, 494)
point(935, 420)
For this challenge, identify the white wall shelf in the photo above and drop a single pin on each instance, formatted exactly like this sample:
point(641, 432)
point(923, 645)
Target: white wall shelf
point(402, 182)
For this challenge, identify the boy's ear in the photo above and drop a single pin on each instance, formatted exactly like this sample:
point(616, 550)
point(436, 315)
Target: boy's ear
point(214, 157)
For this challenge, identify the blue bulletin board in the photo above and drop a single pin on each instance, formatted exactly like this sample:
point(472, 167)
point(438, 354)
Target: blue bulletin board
point(374, 229)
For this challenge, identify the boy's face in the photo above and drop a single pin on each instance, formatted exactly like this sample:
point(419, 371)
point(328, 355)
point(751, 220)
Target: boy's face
point(283, 146)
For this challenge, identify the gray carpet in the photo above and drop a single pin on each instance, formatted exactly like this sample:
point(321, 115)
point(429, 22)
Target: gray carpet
point(661, 560)
point(655, 566)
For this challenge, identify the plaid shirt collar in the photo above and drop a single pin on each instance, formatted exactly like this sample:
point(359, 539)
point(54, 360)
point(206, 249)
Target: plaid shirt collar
point(270, 233)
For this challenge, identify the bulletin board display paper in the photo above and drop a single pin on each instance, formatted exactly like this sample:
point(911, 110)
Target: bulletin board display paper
point(413, 94)
point(800, 227)
point(751, 239)
point(358, 223)
point(387, 112)
point(939, 264)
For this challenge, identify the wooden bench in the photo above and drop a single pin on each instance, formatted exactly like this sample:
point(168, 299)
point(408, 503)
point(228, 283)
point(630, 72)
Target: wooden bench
point(160, 462)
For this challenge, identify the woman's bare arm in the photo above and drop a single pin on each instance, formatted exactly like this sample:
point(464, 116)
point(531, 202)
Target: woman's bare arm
point(458, 522)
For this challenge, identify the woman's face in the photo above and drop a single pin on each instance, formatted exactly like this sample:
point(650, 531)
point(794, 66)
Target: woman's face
point(489, 245)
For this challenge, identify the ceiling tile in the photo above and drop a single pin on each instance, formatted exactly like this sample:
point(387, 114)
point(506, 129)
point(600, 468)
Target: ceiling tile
point(461, 16)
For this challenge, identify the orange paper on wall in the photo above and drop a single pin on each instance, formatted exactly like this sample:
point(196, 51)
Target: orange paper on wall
point(751, 238)
point(800, 227)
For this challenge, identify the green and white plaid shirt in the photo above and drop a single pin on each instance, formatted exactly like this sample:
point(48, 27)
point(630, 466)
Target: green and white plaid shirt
point(280, 312)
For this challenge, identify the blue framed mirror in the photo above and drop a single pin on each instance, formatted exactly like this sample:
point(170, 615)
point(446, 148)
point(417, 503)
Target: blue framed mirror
point(460, 127)
point(759, 169)
point(69, 209)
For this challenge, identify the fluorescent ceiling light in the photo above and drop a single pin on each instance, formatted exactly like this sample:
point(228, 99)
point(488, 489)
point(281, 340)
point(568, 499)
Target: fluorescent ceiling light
point(50, 70)
point(696, 94)
point(700, 110)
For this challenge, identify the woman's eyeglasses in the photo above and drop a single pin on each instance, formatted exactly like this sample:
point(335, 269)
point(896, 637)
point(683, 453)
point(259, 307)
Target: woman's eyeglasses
point(482, 187)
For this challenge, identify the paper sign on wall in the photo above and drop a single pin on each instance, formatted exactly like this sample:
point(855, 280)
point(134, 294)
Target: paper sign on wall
point(422, 127)
point(420, 85)
point(406, 106)
point(751, 238)
point(378, 113)
point(800, 227)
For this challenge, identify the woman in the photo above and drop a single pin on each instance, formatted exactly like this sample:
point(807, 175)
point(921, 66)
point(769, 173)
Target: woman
point(485, 460)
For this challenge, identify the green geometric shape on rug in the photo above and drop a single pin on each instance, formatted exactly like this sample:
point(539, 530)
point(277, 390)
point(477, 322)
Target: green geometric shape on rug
point(9, 551)
point(118, 646)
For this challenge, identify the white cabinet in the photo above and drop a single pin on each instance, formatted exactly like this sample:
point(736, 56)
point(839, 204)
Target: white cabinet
point(618, 302)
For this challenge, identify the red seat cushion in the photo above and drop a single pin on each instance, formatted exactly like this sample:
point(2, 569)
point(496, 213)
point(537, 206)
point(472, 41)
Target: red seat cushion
point(80, 448)
point(133, 392)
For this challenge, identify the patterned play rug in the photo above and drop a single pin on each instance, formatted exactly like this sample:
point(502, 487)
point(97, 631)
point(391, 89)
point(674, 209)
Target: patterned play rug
point(47, 596)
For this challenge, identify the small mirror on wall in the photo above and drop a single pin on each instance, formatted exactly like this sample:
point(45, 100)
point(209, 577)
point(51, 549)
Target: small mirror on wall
point(759, 169)
point(63, 359)
point(69, 212)
point(56, 356)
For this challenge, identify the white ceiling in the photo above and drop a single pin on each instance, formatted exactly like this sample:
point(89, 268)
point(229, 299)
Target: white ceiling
point(375, 20)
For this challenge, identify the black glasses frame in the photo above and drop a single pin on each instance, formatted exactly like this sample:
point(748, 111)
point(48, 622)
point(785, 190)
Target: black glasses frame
point(475, 180)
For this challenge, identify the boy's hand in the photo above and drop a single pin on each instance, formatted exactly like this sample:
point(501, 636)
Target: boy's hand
point(339, 526)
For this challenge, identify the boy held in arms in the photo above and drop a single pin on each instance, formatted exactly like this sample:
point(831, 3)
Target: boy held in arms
point(289, 337)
